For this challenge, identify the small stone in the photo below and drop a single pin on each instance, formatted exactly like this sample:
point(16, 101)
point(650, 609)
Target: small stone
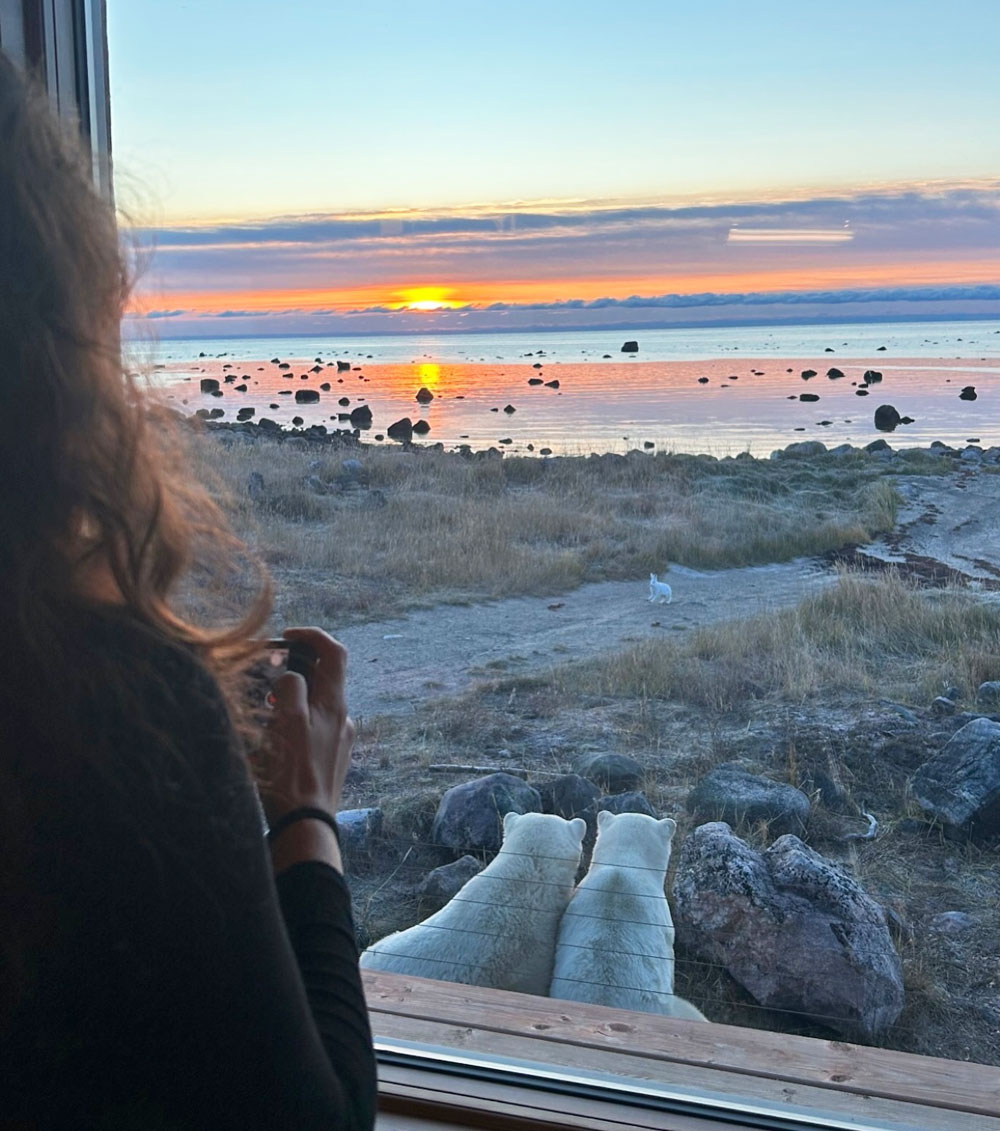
point(630, 347)
point(424, 395)
point(887, 418)
point(942, 705)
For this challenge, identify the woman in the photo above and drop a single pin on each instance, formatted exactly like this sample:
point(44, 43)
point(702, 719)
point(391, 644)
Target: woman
point(160, 965)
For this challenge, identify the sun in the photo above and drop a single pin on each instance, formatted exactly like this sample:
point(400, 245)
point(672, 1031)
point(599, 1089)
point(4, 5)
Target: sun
point(427, 299)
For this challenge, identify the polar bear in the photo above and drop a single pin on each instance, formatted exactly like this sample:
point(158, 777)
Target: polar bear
point(500, 929)
point(616, 940)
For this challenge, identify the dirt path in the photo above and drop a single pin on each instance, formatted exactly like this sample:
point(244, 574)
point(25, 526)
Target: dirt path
point(396, 664)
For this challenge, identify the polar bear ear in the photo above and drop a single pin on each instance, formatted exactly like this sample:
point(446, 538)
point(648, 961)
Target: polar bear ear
point(579, 826)
point(604, 818)
point(668, 827)
point(509, 821)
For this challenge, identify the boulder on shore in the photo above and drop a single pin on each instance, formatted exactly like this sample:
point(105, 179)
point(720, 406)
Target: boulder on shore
point(470, 816)
point(790, 926)
point(444, 883)
point(617, 773)
point(570, 796)
point(960, 786)
point(886, 417)
point(361, 417)
point(729, 793)
point(633, 801)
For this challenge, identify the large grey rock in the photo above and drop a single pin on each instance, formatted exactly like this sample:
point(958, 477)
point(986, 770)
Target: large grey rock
point(790, 926)
point(614, 772)
point(804, 448)
point(730, 793)
point(631, 802)
point(570, 796)
point(988, 693)
point(470, 815)
point(444, 883)
point(358, 827)
point(960, 786)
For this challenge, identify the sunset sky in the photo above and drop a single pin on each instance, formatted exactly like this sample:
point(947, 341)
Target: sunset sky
point(461, 165)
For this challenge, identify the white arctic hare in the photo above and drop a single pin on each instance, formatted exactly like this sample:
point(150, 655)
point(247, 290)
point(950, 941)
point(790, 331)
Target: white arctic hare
point(500, 929)
point(659, 590)
point(616, 939)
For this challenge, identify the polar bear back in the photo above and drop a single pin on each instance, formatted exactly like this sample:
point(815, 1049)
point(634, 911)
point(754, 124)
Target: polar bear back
point(616, 940)
point(500, 929)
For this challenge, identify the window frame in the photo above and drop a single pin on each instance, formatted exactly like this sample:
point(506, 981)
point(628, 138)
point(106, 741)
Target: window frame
point(452, 1054)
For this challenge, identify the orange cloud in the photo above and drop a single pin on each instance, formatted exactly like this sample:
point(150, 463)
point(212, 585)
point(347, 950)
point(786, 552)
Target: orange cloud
point(800, 274)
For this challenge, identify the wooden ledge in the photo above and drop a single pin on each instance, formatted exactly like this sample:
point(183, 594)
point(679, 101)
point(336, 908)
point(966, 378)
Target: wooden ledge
point(751, 1065)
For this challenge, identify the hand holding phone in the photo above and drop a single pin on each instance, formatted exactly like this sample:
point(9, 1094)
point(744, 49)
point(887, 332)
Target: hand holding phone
point(310, 734)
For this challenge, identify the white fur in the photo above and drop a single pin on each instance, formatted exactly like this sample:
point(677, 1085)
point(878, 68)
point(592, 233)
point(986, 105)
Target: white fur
point(616, 939)
point(500, 929)
point(659, 590)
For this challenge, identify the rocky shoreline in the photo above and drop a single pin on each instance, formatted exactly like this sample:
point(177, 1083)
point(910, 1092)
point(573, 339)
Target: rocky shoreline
point(971, 454)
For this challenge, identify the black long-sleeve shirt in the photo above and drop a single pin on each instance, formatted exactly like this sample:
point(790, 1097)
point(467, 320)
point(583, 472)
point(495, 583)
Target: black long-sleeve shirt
point(164, 978)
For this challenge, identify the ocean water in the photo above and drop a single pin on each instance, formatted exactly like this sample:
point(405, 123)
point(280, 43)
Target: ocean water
point(715, 390)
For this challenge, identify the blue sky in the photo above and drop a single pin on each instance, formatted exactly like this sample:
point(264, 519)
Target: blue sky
point(314, 111)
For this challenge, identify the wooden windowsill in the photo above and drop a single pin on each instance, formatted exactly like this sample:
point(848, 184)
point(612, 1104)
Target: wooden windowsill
point(771, 1069)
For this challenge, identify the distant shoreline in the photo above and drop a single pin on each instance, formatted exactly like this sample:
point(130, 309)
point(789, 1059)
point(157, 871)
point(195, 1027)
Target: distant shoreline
point(603, 327)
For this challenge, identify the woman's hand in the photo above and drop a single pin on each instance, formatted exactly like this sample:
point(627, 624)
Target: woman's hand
point(310, 733)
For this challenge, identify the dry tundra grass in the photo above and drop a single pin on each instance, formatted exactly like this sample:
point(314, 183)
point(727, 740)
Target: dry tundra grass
point(887, 637)
point(800, 698)
point(425, 526)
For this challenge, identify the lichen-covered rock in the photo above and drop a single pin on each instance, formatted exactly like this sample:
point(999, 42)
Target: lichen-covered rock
point(470, 815)
point(614, 772)
point(960, 786)
point(730, 793)
point(790, 926)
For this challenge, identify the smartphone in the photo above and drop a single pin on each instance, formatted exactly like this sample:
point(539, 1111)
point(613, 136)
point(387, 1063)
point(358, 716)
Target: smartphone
point(278, 657)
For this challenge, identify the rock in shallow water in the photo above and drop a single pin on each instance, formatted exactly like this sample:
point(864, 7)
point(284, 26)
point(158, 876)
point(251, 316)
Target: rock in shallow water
point(791, 927)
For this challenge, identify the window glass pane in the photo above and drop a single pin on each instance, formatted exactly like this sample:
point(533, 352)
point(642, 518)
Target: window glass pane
point(616, 385)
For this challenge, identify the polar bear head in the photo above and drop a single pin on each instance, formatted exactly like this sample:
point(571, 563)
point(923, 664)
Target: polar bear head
point(633, 839)
point(543, 836)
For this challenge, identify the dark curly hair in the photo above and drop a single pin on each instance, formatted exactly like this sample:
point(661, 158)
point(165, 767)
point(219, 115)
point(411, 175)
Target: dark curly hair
point(98, 509)
point(90, 470)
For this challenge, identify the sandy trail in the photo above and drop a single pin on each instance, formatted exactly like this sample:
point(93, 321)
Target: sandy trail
point(398, 664)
